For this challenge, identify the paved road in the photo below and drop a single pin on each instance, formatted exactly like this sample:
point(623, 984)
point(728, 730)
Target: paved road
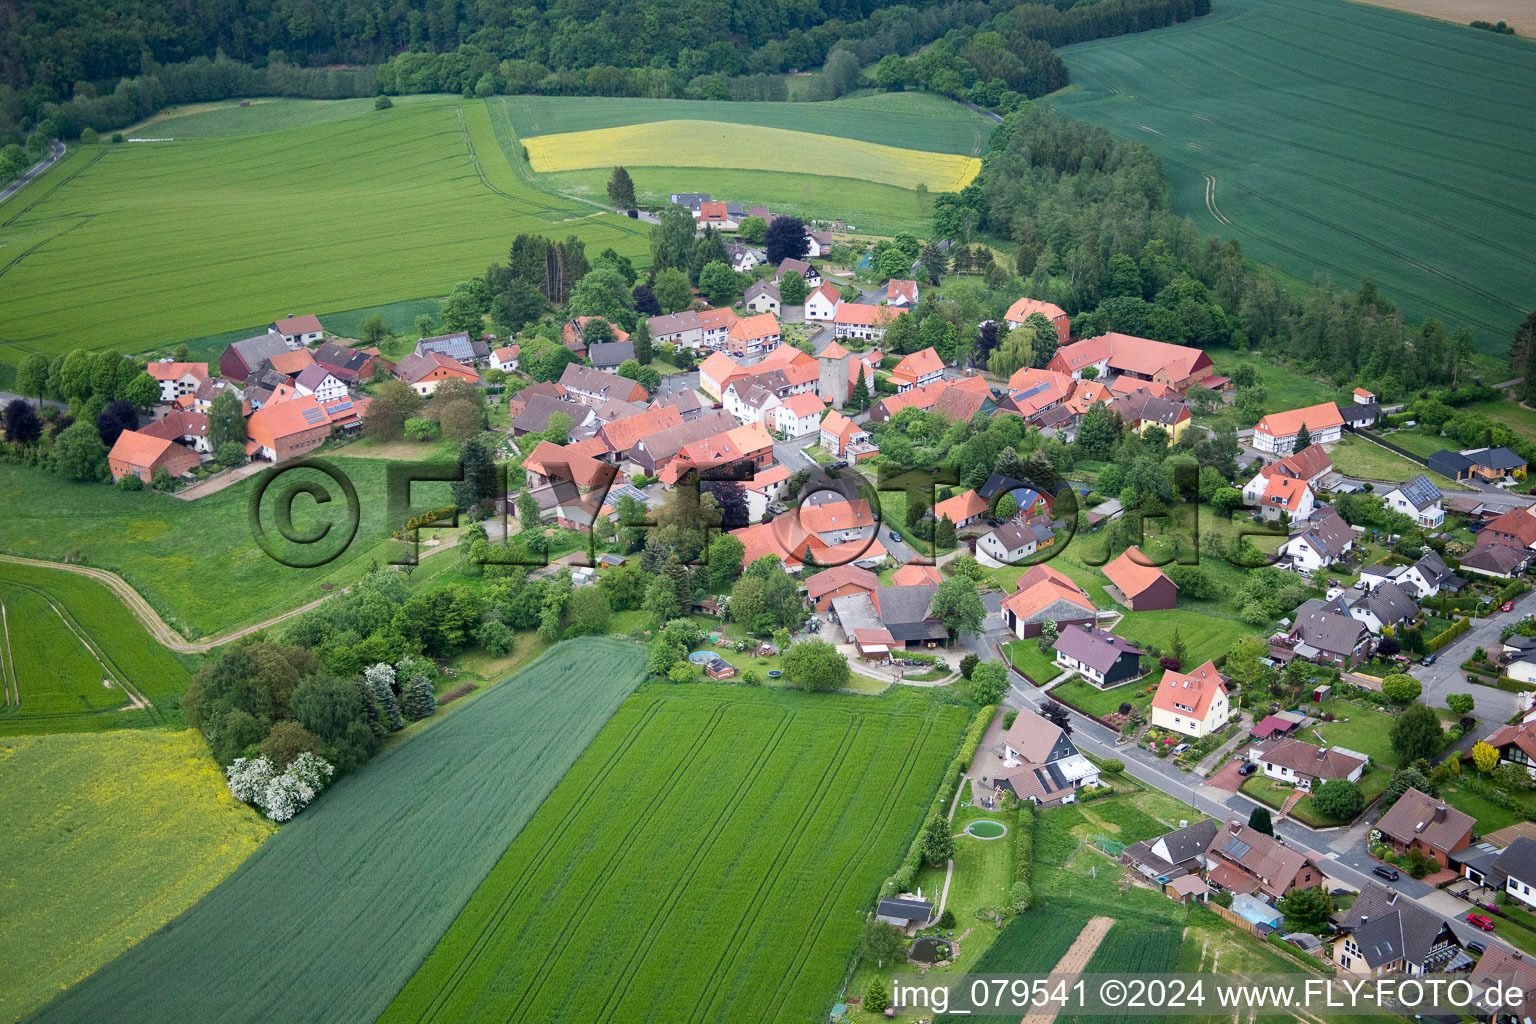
point(6, 398)
point(57, 150)
point(1445, 676)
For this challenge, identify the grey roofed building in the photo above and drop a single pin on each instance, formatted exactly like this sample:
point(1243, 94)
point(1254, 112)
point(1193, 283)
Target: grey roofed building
point(895, 908)
point(535, 417)
point(1417, 816)
point(692, 200)
point(687, 403)
point(1517, 861)
point(1041, 531)
point(1449, 464)
point(1494, 458)
point(765, 287)
point(997, 484)
point(1013, 536)
point(1142, 405)
point(1099, 649)
point(904, 612)
point(341, 359)
point(1389, 602)
point(654, 450)
point(1176, 852)
point(1358, 414)
point(1420, 492)
point(1500, 559)
point(1321, 625)
point(250, 354)
point(1437, 574)
point(1327, 532)
point(1387, 927)
point(456, 346)
point(610, 355)
point(598, 384)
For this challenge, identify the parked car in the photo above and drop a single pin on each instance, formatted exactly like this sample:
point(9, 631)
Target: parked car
point(1479, 921)
point(839, 464)
point(1507, 606)
point(1430, 660)
point(1390, 874)
point(1476, 948)
point(1247, 768)
point(1180, 749)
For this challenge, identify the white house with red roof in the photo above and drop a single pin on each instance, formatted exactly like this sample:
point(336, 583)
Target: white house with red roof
point(1195, 705)
point(861, 320)
point(1021, 311)
point(298, 331)
point(917, 369)
point(1277, 431)
point(798, 415)
point(505, 358)
point(1289, 484)
point(844, 439)
point(901, 293)
point(752, 335)
point(766, 487)
point(177, 379)
point(821, 304)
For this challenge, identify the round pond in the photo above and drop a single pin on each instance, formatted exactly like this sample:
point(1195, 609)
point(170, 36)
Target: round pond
point(928, 950)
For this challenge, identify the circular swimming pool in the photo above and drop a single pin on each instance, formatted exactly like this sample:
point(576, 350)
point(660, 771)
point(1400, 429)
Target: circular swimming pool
point(986, 828)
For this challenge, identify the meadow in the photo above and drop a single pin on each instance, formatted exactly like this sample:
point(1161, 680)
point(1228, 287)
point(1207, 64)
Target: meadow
point(141, 245)
point(748, 147)
point(335, 911)
point(197, 562)
point(708, 859)
point(63, 636)
point(1343, 140)
point(108, 837)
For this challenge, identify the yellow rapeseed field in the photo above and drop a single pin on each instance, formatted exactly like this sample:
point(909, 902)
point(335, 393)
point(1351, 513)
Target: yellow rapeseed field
point(749, 147)
point(108, 836)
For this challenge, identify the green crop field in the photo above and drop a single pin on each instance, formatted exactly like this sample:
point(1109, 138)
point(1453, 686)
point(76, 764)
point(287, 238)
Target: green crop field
point(61, 637)
point(1340, 139)
point(915, 120)
point(197, 562)
point(335, 911)
point(708, 859)
point(141, 245)
point(108, 837)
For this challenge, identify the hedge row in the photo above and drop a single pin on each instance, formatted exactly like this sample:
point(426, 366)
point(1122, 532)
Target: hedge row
point(1445, 636)
point(1021, 893)
point(905, 875)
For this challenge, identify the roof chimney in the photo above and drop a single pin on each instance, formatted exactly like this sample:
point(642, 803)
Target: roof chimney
point(1322, 752)
point(1440, 813)
point(1363, 918)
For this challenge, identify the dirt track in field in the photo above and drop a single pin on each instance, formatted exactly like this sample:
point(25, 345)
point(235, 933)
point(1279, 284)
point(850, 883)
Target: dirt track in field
point(1075, 960)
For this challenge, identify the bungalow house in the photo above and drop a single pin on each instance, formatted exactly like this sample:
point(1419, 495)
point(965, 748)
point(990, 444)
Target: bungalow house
point(798, 415)
point(821, 303)
point(1324, 633)
point(763, 297)
point(917, 369)
point(843, 439)
point(1124, 360)
point(182, 425)
point(1516, 744)
point(1141, 410)
point(177, 379)
point(901, 293)
point(912, 574)
point(1501, 561)
point(459, 347)
point(1195, 705)
point(608, 356)
point(1009, 544)
point(424, 372)
point(322, 383)
point(1097, 655)
point(1418, 821)
point(243, 358)
point(860, 320)
point(962, 509)
point(793, 266)
point(297, 331)
point(1142, 587)
point(1322, 540)
point(573, 334)
point(1419, 500)
point(505, 358)
point(1277, 431)
point(1304, 764)
point(1045, 594)
point(1243, 860)
point(1041, 764)
point(753, 335)
point(1173, 854)
point(139, 454)
point(839, 581)
point(904, 913)
point(1360, 415)
point(350, 364)
point(1490, 465)
point(766, 487)
point(1021, 310)
point(593, 387)
point(1385, 605)
point(903, 611)
point(1386, 932)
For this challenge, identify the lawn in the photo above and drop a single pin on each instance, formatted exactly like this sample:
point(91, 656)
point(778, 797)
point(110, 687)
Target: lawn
point(1298, 104)
point(335, 911)
point(1274, 793)
point(1367, 731)
point(140, 245)
point(197, 562)
point(1515, 416)
point(1287, 387)
point(1026, 656)
point(1357, 457)
point(1084, 695)
point(64, 635)
point(917, 120)
point(1422, 445)
point(108, 837)
point(1490, 816)
point(713, 850)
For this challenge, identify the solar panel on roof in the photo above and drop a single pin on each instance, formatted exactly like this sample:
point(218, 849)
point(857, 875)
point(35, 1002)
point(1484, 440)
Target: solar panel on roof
point(312, 416)
point(1236, 848)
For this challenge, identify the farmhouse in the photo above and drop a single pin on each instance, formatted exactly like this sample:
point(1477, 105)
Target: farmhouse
point(1243, 860)
point(505, 358)
point(839, 581)
point(1045, 594)
point(1419, 500)
point(1021, 311)
point(901, 293)
point(424, 372)
point(550, 463)
point(316, 380)
point(1174, 368)
point(243, 358)
point(177, 379)
point(1195, 704)
point(291, 364)
point(859, 320)
point(913, 574)
point(535, 415)
point(1305, 765)
point(1142, 587)
point(1097, 655)
point(653, 452)
point(1032, 391)
point(593, 387)
point(1041, 763)
point(139, 454)
point(183, 425)
point(748, 445)
point(1420, 822)
point(1277, 431)
point(297, 331)
point(350, 364)
point(285, 430)
point(457, 346)
point(917, 369)
point(1385, 932)
point(1310, 466)
point(682, 330)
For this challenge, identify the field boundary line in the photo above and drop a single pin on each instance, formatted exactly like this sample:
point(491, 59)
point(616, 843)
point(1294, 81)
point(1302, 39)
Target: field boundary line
point(8, 674)
point(551, 841)
point(748, 920)
point(639, 825)
point(136, 698)
point(52, 189)
point(684, 878)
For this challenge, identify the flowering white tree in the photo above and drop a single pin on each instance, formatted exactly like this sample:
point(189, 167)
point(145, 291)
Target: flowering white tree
point(279, 796)
point(381, 685)
point(249, 779)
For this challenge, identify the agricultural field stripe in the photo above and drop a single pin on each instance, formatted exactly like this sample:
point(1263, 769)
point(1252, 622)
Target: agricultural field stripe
point(335, 912)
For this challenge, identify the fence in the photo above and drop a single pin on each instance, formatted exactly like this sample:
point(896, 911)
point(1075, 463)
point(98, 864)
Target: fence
point(1375, 438)
point(1232, 917)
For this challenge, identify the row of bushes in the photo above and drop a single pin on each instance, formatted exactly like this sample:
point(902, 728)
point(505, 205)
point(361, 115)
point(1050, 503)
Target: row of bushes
point(1505, 683)
point(1457, 628)
point(905, 875)
point(1021, 893)
point(1512, 590)
point(1493, 794)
